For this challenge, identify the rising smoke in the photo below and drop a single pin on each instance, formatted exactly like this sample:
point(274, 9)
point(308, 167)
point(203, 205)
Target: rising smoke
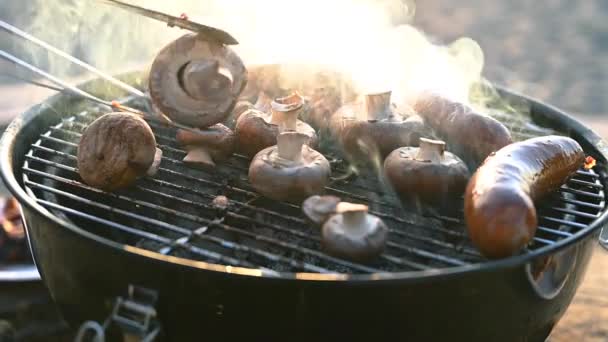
point(370, 40)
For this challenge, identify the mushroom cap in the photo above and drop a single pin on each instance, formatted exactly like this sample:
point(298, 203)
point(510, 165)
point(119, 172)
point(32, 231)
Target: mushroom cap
point(291, 181)
point(359, 244)
point(205, 98)
point(218, 140)
point(254, 132)
point(358, 137)
point(115, 150)
point(320, 208)
point(432, 182)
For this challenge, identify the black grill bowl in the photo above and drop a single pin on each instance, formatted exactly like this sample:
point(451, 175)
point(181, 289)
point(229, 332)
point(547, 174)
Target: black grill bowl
point(85, 269)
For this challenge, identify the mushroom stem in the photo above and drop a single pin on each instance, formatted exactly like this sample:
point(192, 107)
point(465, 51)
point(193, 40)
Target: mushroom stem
point(354, 216)
point(285, 111)
point(204, 78)
point(263, 103)
point(378, 106)
point(290, 144)
point(431, 150)
point(156, 163)
point(198, 155)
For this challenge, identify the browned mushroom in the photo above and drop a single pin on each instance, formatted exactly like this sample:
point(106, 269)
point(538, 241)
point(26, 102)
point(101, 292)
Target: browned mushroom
point(354, 234)
point(208, 146)
point(289, 170)
point(381, 132)
point(256, 130)
point(263, 104)
point(195, 81)
point(428, 173)
point(319, 209)
point(115, 150)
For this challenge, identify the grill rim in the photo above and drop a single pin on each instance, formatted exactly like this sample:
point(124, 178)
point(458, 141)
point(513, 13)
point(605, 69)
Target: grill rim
point(595, 145)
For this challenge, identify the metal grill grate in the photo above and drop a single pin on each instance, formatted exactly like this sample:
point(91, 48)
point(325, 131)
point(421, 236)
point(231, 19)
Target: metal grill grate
point(172, 213)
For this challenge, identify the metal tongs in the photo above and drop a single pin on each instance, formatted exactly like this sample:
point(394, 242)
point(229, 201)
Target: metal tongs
point(62, 85)
point(182, 22)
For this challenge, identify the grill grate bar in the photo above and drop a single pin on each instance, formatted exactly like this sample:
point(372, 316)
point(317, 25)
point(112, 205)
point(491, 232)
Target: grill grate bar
point(393, 259)
point(187, 233)
point(581, 192)
point(555, 232)
point(575, 212)
point(587, 174)
point(565, 222)
point(201, 220)
point(426, 254)
point(583, 204)
point(586, 183)
point(543, 241)
point(435, 242)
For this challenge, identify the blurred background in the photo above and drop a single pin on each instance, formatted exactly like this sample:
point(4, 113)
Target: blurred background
point(554, 50)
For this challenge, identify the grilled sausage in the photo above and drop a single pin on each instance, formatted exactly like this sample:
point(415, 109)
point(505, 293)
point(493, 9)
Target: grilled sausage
point(499, 199)
point(471, 135)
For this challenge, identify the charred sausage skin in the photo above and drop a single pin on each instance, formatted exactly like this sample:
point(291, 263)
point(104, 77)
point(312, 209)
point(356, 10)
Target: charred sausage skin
point(499, 199)
point(471, 135)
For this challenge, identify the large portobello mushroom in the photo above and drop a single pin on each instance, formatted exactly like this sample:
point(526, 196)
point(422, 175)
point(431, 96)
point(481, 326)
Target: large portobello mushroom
point(196, 81)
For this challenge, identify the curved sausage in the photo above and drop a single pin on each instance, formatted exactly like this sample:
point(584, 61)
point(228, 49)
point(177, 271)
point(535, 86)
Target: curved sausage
point(499, 199)
point(471, 135)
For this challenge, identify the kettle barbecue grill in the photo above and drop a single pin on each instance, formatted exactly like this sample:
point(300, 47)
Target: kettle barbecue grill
point(256, 270)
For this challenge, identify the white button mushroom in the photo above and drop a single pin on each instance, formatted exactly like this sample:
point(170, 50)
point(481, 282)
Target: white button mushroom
point(371, 127)
point(354, 234)
point(289, 170)
point(257, 130)
point(428, 173)
point(208, 146)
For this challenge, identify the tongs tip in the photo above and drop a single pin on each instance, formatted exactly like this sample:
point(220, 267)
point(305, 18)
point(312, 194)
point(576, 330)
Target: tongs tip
point(182, 21)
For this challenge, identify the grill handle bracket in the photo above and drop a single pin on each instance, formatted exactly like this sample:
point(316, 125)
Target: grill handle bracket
point(135, 316)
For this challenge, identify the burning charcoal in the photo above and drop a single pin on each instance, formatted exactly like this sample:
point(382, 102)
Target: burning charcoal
point(354, 234)
point(256, 130)
point(208, 146)
point(12, 236)
point(319, 209)
point(427, 173)
point(290, 170)
point(472, 135)
point(196, 81)
point(382, 132)
point(117, 149)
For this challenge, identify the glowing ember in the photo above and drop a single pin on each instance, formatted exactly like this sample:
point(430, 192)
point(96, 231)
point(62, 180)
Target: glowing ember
point(590, 163)
point(11, 220)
